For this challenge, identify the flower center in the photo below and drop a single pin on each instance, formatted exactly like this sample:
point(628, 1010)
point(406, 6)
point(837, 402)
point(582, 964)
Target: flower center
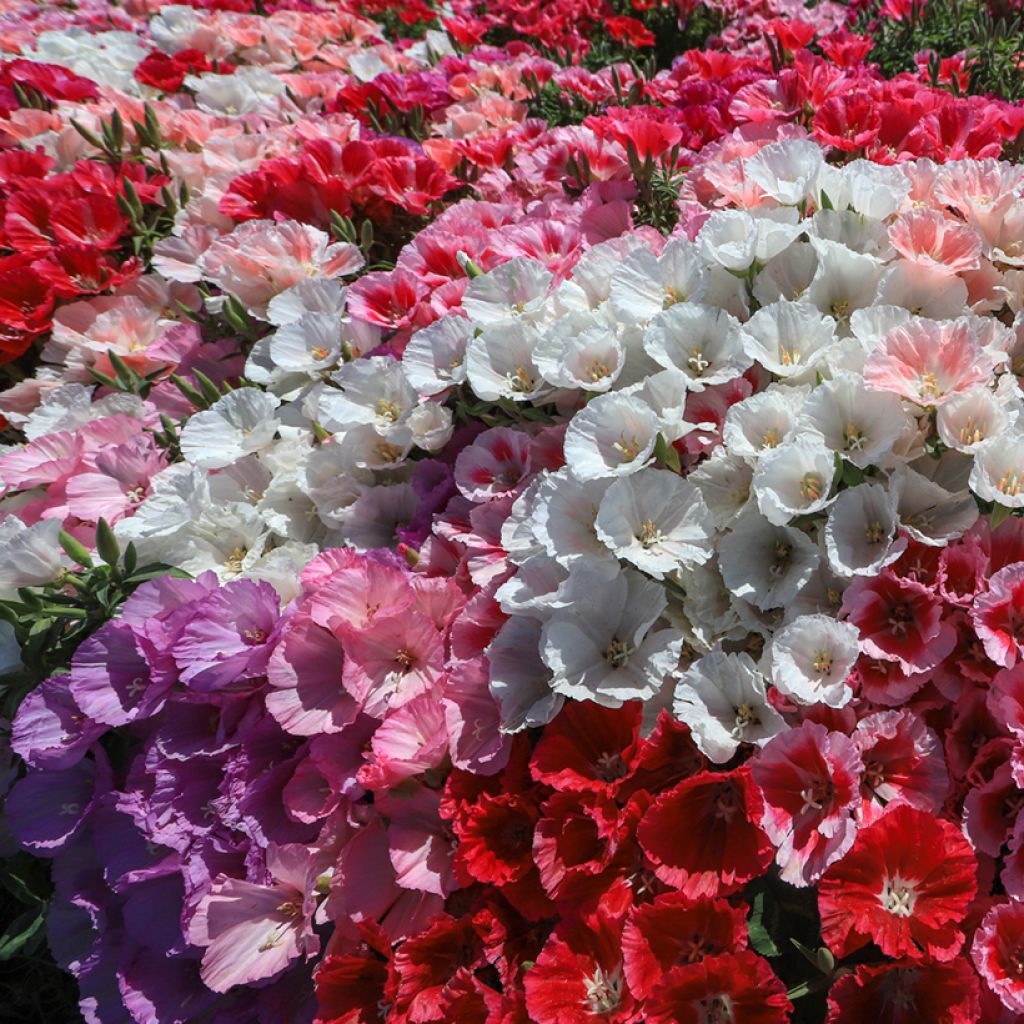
point(853, 438)
point(1011, 483)
point(520, 381)
point(898, 897)
point(598, 370)
point(900, 616)
point(617, 653)
point(697, 362)
point(789, 355)
point(610, 766)
point(811, 487)
point(817, 796)
point(254, 636)
point(672, 296)
point(716, 1009)
point(873, 532)
point(928, 385)
point(603, 990)
point(780, 561)
point(973, 431)
point(649, 534)
point(387, 410)
point(746, 716)
point(628, 449)
point(319, 352)
point(822, 662)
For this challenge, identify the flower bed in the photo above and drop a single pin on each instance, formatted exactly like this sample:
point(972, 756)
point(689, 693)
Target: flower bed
point(500, 528)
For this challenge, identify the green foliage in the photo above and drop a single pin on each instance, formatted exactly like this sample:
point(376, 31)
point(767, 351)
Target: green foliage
point(991, 34)
point(52, 620)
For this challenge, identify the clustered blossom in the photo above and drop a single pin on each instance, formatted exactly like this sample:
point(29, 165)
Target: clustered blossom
point(552, 586)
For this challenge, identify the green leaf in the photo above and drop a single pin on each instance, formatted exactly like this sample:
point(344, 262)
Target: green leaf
point(826, 203)
point(106, 544)
point(76, 550)
point(210, 390)
point(999, 514)
point(666, 454)
point(24, 931)
point(760, 939)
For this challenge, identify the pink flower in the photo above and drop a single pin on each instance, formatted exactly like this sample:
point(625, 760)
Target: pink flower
point(903, 763)
point(998, 616)
point(998, 953)
point(251, 932)
point(927, 362)
point(930, 238)
point(810, 780)
point(494, 465)
point(899, 620)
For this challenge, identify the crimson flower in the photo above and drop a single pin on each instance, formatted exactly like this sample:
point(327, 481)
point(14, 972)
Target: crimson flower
point(740, 988)
point(905, 885)
point(719, 813)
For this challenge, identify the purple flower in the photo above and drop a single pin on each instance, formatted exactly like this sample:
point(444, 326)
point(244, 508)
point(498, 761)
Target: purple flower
point(50, 730)
point(230, 636)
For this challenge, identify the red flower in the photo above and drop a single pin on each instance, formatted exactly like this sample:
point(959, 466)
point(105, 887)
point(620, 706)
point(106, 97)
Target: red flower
point(848, 122)
point(496, 839)
point(351, 989)
point(998, 953)
point(905, 885)
point(737, 987)
point(674, 930)
point(630, 30)
point(906, 992)
point(722, 808)
point(428, 963)
point(899, 620)
point(578, 977)
point(588, 748)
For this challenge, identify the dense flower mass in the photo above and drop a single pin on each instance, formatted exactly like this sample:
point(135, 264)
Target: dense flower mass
point(495, 528)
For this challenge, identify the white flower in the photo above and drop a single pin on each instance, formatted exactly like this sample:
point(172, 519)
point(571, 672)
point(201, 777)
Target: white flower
point(763, 421)
point(519, 680)
point(309, 345)
point(500, 363)
point(722, 699)
point(969, 418)
point(240, 422)
point(856, 232)
point(765, 564)
point(845, 280)
point(702, 342)
point(787, 275)
point(432, 426)
point(998, 470)
point(861, 424)
point(370, 391)
point(331, 481)
point(601, 647)
point(932, 508)
point(310, 295)
point(536, 587)
point(925, 291)
point(365, 448)
point(788, 339)
point(644, 284)
point(580, 351)
point(30, 556)
point(513, 291)
point(811, 658)
point(613, 436)
point(794, 479)
point(861, 529)
point(657, 521)
point(729, 238)
point(564, 519)
point(665, 392)
point(373, 519)
point(724, 480)
point(435, 358)
point(787, 171)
